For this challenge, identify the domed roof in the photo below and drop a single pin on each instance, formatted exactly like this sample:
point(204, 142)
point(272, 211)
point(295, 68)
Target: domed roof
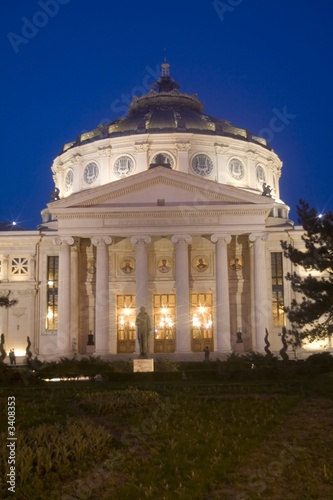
point(165, 109)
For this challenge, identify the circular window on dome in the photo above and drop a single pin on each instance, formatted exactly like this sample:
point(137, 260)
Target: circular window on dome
point(123, 167)
point(236, 169)
point(91, 172)
point(162, 160)
point(202, 165)
point(261, 176)
point(69, 179)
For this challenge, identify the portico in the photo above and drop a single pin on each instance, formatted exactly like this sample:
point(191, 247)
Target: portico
point(178, 272)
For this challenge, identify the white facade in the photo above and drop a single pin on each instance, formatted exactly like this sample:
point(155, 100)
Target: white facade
point(174, 218)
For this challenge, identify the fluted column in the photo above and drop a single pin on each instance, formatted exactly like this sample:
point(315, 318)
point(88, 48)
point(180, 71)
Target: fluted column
point(75, 298)
point(141, 285)
point(183, 322)
point(64, 347)
point(261, 303)
point(222, 292)
point(102, 294)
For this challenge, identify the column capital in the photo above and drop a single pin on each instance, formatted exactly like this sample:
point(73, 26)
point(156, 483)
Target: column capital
point(226, 238)
point(221, 148)
point(183, 146)
point(101, 240)
point(64, 240)
point(140, 239)
point(254, 236)
point(176, 238)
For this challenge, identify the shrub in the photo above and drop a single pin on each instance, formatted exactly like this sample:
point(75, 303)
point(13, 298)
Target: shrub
point(320, 358)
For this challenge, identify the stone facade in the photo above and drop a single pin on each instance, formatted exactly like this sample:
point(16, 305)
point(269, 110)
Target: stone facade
point(185, 221)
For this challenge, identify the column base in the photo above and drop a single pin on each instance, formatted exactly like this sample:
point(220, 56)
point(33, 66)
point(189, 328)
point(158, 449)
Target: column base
point(65, 354)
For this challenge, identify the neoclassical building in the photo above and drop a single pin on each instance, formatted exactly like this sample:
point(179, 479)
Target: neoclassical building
point(167, 208)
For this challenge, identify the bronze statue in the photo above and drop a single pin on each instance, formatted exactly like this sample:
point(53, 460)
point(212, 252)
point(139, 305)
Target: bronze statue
point(143, 328)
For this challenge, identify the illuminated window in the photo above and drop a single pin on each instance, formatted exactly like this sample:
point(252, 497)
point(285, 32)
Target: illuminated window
point(52, 293)
point(201, 316)
point(126, 329)
point(165, 322)
point(277, 289)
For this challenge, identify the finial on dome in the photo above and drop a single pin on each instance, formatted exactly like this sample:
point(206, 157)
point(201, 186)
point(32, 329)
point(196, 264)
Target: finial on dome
point(165, 66)
point(165, 83)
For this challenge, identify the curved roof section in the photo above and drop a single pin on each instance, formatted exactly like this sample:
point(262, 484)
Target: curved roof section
point(164, 109)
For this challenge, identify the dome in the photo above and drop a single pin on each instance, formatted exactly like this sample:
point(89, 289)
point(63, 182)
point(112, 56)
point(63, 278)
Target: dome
point(168, 128)
point(164, 109)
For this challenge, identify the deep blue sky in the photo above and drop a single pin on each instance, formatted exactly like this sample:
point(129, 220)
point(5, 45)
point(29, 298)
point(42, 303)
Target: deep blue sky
point(252, 59)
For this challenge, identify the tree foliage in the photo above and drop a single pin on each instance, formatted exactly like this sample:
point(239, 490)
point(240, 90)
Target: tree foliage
point(6, 302)
point(311, 317)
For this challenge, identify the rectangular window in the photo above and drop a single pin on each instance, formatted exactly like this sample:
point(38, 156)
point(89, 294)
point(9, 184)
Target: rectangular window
point(52, 292)
point(277, 289)
point(164, 323)
point(126, 329)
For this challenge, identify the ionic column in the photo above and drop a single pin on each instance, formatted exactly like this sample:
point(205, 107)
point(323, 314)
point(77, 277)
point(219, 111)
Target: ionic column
point(141, 257)
point(222, 292)
point(64, 347)
point(183, 321)
point(102, 294)
point(75, 298)
point(261, 303)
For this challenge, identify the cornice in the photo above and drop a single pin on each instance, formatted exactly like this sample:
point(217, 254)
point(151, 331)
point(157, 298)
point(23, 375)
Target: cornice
point(165, 214)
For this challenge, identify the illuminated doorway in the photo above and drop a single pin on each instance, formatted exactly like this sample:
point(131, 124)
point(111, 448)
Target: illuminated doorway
point(126, 330)
point(201, 321)
point(164, 323)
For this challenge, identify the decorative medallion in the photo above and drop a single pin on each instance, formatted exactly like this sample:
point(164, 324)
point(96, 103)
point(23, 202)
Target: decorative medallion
point(123, 167)
point(236, 264)
point(91, 172)
point(200, 264)
point(261, 176)
point(236, 169)
point(164, 265)
point(202, 165)
point(69, 179)
point(127, 265)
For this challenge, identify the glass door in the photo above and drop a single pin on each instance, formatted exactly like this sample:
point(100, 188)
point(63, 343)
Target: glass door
point(126, 330)
point(201, 322)
point(164, 323)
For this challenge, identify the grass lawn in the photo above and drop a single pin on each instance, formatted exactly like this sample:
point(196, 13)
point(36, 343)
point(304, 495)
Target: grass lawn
point(183, 439)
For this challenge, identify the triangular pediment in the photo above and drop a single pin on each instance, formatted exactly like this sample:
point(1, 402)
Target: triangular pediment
point(159, 186)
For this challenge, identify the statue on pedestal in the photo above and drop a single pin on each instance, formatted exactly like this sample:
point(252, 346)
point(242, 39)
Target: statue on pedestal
point(143, 329)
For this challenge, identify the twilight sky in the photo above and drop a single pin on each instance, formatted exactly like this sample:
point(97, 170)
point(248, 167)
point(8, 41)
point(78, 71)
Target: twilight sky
point(68, 65)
